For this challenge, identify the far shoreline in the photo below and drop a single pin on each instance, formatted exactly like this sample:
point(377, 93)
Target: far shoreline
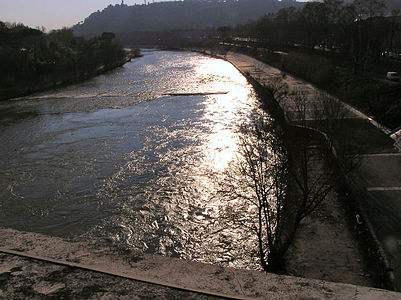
point(19, 91)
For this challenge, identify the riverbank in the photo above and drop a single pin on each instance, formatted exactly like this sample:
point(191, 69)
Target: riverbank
point(370, 254)
point(32, 60)
point(326, 245)
point(365, 138)
point(11, 92)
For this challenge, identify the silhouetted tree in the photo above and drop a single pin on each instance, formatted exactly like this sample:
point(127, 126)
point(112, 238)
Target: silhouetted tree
point(274, 185)
point(255, 184)
point(223, 31)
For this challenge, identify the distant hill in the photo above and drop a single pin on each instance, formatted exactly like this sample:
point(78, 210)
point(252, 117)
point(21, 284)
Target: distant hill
point(185, 15)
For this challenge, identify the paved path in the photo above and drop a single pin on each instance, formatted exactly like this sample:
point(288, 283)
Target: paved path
point(379, 174)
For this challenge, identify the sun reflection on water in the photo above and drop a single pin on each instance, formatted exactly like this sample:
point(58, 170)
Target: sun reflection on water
point(152, 155)
point(223, 116)
point(225, 112)
point(176, 212)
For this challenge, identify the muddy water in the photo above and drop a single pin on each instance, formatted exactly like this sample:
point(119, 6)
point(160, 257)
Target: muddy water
point(126, 157)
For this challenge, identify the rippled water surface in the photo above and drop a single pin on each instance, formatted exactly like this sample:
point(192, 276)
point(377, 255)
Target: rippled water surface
point(127, 157)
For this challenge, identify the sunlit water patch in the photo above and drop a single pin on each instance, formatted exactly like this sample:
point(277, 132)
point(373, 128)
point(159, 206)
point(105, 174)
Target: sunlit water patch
point(116, 159)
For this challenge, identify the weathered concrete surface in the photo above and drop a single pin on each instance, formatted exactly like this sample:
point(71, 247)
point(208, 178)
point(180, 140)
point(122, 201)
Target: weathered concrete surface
point(26, 278)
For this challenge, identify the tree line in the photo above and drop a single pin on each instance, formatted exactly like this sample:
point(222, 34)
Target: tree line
point(362, 31)
point(343, 47)
point(32, 59)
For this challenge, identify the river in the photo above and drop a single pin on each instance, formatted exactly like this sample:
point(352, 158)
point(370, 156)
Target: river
point(126, 158)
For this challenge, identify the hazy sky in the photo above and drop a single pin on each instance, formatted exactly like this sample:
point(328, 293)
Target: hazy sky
point(53, 14)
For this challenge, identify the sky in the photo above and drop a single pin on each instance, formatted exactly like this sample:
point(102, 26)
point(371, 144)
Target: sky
point(53, 14)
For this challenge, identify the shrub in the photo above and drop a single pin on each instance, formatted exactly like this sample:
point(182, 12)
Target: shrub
point(314, 69)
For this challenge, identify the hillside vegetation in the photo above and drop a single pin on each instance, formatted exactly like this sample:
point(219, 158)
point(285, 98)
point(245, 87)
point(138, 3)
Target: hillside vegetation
point(181, 15)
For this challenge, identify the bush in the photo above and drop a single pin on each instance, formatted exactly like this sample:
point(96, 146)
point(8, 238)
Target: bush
point(314, 69)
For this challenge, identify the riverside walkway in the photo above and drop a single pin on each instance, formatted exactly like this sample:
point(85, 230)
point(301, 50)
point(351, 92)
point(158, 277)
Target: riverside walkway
point(377, 178)
point(41, 267)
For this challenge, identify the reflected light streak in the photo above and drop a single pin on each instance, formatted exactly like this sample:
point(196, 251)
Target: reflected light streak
point(226, 112)
point(222, 148)
point(220, 67)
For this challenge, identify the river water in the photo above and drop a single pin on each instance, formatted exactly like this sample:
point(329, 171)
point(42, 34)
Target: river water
point(126, 158)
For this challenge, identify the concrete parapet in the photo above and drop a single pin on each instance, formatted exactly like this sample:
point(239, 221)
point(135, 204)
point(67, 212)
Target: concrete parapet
point(199, 278)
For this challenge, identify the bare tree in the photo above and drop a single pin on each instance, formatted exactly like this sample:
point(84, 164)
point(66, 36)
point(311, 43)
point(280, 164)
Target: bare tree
point(271, 190)
point(278, 88)
point(299, 101)
point(369, 8)
point(255, 185)
point(313, 169)
point(328, 113)
point(362, 41)
point(278, 180)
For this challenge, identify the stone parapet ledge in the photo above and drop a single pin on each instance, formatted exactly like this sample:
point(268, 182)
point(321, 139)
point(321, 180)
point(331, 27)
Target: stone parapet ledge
point(200, 278)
